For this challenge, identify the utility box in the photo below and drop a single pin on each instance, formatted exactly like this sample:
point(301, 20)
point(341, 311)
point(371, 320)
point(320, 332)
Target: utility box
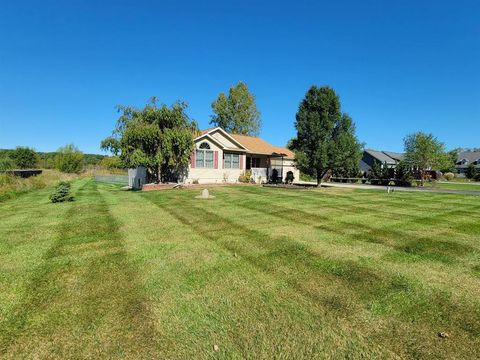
point(137, 177)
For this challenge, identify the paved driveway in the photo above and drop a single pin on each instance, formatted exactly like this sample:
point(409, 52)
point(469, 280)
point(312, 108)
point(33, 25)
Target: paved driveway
point(398, 188)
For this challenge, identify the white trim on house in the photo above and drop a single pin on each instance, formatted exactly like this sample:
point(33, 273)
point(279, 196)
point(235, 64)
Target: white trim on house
point(227, 135)
point(221, 174)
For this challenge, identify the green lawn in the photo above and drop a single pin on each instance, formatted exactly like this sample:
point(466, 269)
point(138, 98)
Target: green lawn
point(468, 186)
point(259, 272)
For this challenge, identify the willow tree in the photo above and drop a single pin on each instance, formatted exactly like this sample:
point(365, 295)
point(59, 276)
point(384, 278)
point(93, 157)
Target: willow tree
point(158, 137)
point(326, 138)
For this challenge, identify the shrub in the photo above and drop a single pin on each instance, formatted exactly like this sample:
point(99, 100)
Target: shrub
point(111, 162)
point(274, 176)
point(24, 157)
point(289, 178)
point(470, 173)
point(476, 177)
point(6, 163)
point(245, 176)
point(61, 193)
point(449, 176)
point(69, 159)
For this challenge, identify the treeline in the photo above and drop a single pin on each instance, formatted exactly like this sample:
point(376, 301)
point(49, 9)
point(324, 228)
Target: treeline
point(68, 159)
point(46, 160)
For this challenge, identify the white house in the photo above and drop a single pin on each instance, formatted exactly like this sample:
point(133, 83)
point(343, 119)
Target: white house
point(223, 157)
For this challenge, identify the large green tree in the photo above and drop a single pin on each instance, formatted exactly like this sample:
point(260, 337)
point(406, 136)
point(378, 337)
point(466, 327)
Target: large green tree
point(24, 157)
point(157, 137)
point(237, 113)
point(326, 138)
point(424, 152)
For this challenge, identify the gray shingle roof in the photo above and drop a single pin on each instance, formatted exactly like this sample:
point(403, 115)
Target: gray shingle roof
point(472, 156)
point(381, 156)
point(394, 155)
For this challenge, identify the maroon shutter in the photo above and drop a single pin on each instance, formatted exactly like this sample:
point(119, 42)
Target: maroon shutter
point(241, 162)
point(192, 160)
point(215, 160)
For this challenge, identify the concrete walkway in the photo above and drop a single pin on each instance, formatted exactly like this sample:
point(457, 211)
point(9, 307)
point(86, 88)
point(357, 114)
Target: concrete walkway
point(398, 188)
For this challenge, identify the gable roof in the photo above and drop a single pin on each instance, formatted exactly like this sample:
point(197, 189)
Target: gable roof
point(252, 144)
point(389, 157)
point(380, 156)
point(209, 132)
point(471, 156)
point(394, 155)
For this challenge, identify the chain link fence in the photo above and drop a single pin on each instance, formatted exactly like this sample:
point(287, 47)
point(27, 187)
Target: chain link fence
point(112, 179)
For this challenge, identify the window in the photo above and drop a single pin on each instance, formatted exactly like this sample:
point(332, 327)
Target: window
point(231, 161)
point(204, 156)
point(253, 162)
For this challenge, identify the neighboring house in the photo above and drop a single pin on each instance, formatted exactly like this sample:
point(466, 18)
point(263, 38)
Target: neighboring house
point(370, 157)
point(223, 157)
point(465, 158)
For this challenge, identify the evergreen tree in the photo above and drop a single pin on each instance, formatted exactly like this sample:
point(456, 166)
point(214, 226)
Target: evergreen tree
point(326, 138)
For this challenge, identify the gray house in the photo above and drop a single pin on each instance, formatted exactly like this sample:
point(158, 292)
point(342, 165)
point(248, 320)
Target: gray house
point(370, 157)
point(465, 158)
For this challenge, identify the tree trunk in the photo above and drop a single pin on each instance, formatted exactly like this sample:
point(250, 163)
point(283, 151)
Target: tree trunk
point(158, 174)
point(319, 178)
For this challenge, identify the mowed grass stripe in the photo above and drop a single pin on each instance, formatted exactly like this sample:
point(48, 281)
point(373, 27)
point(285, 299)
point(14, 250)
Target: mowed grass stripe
point(399, 240)
point(27, 231)
point(84, 300)
point(378, 290)
point(251, 311)
point(407, 232)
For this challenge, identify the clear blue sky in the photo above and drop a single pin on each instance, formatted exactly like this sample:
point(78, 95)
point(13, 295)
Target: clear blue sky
point(398, 66)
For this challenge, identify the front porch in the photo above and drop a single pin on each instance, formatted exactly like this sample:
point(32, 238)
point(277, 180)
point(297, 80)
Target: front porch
point(267, 168)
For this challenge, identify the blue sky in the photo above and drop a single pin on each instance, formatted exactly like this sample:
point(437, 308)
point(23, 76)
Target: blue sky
point(398, 66)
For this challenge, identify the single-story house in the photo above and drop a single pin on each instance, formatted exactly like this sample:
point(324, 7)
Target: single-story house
point(370, 157)
point(465, 158)
point(223, 157)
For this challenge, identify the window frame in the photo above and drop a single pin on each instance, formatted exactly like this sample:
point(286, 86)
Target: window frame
point(204, 156)
point(228, 161)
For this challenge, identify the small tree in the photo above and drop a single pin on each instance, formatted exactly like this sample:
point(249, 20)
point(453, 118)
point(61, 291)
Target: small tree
point(403, 173)
point(448, 161)
point(381, 172)
point(476, 177)
point(24, 157)
point(69, 159)
point(471, 171)
point(423, 152)
point(237, 112)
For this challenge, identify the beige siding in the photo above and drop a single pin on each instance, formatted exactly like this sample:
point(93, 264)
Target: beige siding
point(221, 175)
point(217, 135)
point(213, 176)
